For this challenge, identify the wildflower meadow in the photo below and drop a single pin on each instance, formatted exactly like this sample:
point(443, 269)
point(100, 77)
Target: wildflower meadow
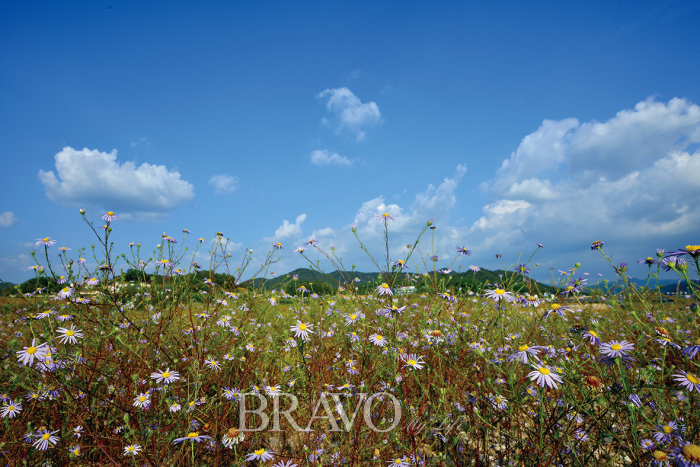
point(184, 364)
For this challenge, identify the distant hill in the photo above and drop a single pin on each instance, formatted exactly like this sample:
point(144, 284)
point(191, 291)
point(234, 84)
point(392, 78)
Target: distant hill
point(667, 285)
point(468, 279)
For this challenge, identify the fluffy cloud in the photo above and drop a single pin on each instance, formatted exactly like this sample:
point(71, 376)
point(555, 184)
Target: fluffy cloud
point(435, 201)
point(349, 113)
point(223, 183)
point(287, 230)
point(634, 179)
point(322, 157)
point(7, 219)
point(94, 178)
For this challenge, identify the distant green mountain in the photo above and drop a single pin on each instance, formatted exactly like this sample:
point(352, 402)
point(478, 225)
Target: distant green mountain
point(666, 285)
point(453, 280)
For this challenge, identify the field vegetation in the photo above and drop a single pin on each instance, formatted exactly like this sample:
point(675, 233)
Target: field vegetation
point(146, 359)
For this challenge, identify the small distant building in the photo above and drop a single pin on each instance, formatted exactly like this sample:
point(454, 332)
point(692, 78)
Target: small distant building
point(409, 289)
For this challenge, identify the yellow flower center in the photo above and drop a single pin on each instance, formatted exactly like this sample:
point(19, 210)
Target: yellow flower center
point(692, 248)
point(194, 434)
point(498, 400)
point(46, 436)
point(11, 408)
point(593, 333)
point(544, 371)
point(692, 452)
point(692, 378)
point(385, 285)
point(31, 350)
point(411, 362)
point(353, 316)
point(259, 452)
point(660, 455)
point(556, 306)
point(650, 259)
point(142, 399)
point(668, 429)
point(523, 348)
point(131, 448)
point(379, 337)
point(499, 291)
point(70, 333)
point(65, 290)
point(616, 346)
point(110, 213)
point(166, 374)
point(302, 327)
point(46, 239)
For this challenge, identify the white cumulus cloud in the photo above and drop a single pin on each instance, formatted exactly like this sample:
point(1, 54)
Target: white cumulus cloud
point(323, 157)
point(349, 113)
point(7, 219)
point(223, 183)
point(287, 230)
point(632, 181)
point(93, 178)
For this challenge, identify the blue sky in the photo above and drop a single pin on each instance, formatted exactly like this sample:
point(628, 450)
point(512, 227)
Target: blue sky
point(509, 123)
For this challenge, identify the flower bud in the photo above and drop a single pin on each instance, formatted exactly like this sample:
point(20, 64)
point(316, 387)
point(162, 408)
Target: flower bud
point(82, 211)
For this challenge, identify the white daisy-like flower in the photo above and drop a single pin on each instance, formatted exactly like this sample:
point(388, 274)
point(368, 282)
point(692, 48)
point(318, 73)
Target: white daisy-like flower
point(377, 339)
point(302, 330)
point(166, 376)
point(70, 335)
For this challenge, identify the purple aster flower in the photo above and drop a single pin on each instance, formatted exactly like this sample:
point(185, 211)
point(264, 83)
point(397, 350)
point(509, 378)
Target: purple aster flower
point(597, 245)
point(475, 268)
point(462, 250)
point(558, 309)
point(384, 289)
point(92, 281)
point(446, 295)
point(691, 351)
point(499, 294)
point(260, 454)
point(688, 381)
point(277, 246)
point(672, 262)
point(664, 434)
point(66, 292)
point(522, 269)
point(109, 216)
point(687, 455)
point(523, 352)
point(46, 241)
point(691, 250)
point(648, 261)
point(616, 348)
point(540, 245)
point(385, 217)
point(544, 376)
point(311, 242)
point(194, 437)
point(647, 444)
